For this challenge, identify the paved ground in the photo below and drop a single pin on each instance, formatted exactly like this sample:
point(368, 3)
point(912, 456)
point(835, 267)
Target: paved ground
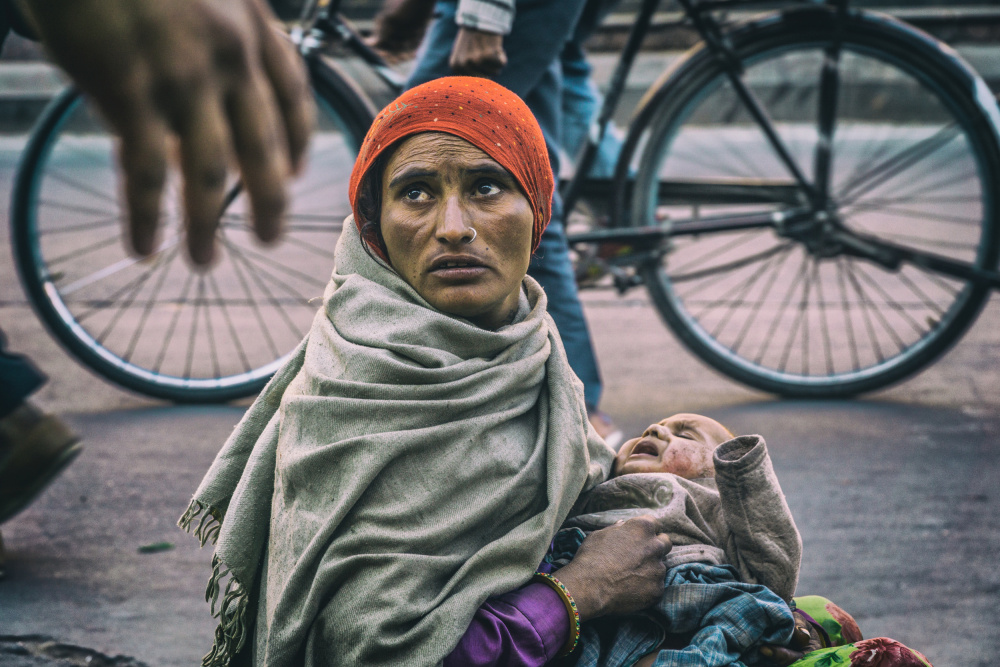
point(895, 494)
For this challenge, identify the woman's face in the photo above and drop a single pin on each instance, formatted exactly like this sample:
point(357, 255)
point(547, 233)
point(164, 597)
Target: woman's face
point(436, 189)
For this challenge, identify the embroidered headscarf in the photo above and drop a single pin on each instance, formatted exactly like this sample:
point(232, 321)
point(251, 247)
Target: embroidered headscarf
point(482, 112)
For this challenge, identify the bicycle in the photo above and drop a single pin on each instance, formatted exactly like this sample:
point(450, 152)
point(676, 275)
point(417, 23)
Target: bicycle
point(821, 280)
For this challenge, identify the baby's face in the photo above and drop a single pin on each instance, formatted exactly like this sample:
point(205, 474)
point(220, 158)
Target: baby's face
point(682, 444)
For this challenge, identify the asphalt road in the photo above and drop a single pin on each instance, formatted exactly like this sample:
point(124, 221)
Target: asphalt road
point(896, 493)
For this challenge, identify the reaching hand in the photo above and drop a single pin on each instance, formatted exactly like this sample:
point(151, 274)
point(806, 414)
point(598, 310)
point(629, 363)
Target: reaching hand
point(477, 53)
point(618, 569)
point(399, 27)
point(213, 74)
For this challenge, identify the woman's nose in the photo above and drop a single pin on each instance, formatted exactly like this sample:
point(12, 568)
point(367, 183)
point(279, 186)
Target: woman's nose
point(452, 226)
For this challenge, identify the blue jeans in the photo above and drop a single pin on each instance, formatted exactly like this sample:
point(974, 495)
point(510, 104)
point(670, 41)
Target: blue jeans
point(581, 101)
point(18, 379)
point(533, 71)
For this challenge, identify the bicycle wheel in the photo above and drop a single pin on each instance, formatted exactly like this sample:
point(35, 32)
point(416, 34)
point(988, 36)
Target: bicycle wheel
point(914, 161)
point(156, 325)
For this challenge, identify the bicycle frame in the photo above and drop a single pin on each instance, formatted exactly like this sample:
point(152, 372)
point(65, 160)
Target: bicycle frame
point(808, 201)
point(648, 243)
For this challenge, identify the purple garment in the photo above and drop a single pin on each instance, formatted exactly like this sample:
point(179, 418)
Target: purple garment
point(523, 628)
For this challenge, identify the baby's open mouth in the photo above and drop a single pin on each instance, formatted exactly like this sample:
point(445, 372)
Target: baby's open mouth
point(645, 447)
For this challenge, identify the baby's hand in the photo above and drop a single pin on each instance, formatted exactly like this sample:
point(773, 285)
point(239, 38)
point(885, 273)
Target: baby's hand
point(805, 639)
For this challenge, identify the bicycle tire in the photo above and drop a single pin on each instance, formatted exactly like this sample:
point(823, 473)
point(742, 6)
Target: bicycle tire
point(156, 326)
point(890, 324)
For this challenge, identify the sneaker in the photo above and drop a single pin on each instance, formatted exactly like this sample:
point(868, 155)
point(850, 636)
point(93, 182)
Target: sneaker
point(606, 429)
point(37, 448)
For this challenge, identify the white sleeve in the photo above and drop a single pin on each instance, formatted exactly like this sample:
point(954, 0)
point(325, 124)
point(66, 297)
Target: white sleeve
point(496, 16)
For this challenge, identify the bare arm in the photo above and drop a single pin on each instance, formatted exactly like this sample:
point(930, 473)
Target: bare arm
point(211, 75)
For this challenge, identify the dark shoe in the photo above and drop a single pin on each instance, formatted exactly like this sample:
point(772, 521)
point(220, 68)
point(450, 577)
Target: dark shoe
point(37, 447)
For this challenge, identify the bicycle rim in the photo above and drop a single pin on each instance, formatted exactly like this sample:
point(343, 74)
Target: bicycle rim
point(155, 325)
point(915, 161)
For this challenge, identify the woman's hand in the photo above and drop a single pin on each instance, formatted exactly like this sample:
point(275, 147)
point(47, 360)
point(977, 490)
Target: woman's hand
point(805, 639)
point(618, 569)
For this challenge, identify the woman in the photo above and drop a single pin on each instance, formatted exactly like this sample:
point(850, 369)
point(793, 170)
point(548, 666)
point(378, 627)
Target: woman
point(420, 449)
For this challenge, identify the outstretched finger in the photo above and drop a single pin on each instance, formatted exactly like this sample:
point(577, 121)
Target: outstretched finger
point(262, 153)
point(288, 78)
point(142, 153)
point(204, 141)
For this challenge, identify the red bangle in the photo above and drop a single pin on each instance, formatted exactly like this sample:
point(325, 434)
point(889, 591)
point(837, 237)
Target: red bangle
point(574, 614)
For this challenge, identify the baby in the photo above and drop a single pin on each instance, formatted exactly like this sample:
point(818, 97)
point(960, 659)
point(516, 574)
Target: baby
point(736, 551)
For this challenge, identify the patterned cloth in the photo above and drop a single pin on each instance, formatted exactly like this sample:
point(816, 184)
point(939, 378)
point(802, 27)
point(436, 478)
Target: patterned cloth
point(717, 619)
point(877, 652)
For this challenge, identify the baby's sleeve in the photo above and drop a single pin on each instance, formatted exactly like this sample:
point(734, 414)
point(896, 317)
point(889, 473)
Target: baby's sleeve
point(762, 541)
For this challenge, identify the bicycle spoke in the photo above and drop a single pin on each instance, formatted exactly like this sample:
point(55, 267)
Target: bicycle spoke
point(97, 305)
point(864, 301)
point(112, 269)
point(263, 260)
point(777, 319)
point(778, 264)
point(736, 264)
point(163, 268)
point(739, 299)
point(123, 306)
point(848, 319)
point(83, 227)
point(253, 302)
point(741, 239)
point(891, 167)
point(254, 275)
point(916, 215)
point(798, 322)
point(920, 294)
point(241, 353)
point(952, 179)
point(193, 336)
point(891, 303)
point(824, 326)
point(72, 182)
point(85, 250)
point(168, 336)
point(75, 208)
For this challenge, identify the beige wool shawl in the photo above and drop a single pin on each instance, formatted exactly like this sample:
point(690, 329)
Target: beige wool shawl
point(403, 466)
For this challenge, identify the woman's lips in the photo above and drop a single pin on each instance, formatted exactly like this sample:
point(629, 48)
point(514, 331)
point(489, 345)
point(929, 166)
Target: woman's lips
point(457, 268)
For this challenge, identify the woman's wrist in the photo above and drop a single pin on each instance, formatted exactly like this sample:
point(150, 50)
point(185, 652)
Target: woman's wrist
point(571, 610)
point(588, 600)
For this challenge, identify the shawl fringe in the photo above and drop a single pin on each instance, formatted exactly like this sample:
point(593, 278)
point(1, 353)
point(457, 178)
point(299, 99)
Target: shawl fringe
point(209, 522)
point(204, 523)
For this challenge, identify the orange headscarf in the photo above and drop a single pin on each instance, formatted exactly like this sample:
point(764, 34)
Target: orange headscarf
point(482, 112)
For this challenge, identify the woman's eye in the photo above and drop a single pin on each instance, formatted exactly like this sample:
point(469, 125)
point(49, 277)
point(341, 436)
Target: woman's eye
point(487, 188)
